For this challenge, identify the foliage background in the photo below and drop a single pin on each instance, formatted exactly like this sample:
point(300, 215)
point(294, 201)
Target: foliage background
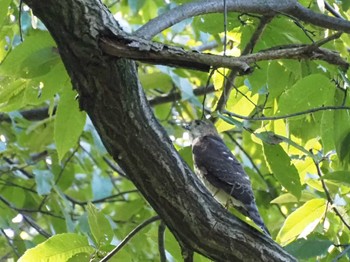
point(57, 179)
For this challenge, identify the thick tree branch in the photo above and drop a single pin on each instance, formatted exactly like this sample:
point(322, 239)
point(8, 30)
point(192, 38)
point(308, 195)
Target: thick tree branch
point(156, 53)
point(269, 7)
point(109, 91)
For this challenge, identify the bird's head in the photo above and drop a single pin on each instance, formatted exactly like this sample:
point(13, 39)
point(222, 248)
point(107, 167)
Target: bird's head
point(199, 128)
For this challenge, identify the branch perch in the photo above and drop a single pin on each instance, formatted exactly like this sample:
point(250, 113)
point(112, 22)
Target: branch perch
point(157, 53)
point(268, 7)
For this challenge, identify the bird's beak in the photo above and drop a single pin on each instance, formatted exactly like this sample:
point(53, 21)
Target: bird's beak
point(186, 126)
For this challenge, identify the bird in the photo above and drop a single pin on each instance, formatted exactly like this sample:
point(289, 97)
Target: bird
point(221, 172)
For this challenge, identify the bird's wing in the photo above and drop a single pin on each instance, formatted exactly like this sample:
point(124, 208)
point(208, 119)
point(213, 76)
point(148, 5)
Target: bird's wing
point(222, 169)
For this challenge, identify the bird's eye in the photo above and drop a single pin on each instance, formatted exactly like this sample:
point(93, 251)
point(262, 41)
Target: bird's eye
point(197, 122)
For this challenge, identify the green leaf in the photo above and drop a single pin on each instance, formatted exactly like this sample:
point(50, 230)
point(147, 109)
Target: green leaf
point(308, 214)
point(186, 154)
point(16, 196)
point(344, 149)
point(313, 246)
point(345, 5)
point(100, 227)
point(44, 180)
point(34, 57)
point(339, 176)
point(230, 120)
point(69, 123)
point(80, 257)
point(213, 23)
point(269, 137)
point(341, 131)
point(301, 97)
point(157, 80)
point(276, 79)
point(327, 134)
point(9, 90)
point(126, 211)
point(289, 198)
point(58, 248)
point(281, 166)
point(272, 139)
point(4, 4)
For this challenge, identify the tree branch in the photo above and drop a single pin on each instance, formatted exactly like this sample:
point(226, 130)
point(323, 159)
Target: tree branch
point(156, 53)
point(266, 118)
point(270, 8)
point(228, 84)
point(41, 113)
point(111, 94)
point(161, 240)
point(328, 195)
point(128, 237)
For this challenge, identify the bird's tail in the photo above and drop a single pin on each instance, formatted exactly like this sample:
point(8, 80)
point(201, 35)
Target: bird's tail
point(253, 213)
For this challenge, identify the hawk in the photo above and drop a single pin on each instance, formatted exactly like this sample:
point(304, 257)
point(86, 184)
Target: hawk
point(221, 172)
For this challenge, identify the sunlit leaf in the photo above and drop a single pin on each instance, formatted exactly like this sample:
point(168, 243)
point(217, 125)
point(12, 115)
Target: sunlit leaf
point(305, 217)
point(301, 97)
point(327, 133)
point(290, 198)
point(58, 248)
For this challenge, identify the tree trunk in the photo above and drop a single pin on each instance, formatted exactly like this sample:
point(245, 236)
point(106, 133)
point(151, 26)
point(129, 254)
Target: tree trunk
point(110, 93)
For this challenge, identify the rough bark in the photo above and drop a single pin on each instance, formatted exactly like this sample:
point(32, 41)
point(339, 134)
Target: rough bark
point(109, 91)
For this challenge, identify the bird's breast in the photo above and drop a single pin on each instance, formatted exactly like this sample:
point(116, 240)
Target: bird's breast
point(220, 195)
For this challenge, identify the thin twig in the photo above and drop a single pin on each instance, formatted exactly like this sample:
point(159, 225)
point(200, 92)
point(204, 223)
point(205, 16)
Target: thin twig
point(128, 237)
point(329, 198)
point(247, 50)
point(161, 236)
point(265, 118)
point(187, 254)
point(328, 39)
point(206, 88)
point(20, 169)
point(115, 167)
point(330, 9)
point(42, 113)
point(232, 85)
point(9, 184)
point(225, 26)
point(34, 225)
point(101, 200)
point(9, 241)
point(20, 7)
point(66, 163)
point(25, 210)
point(346, 249)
